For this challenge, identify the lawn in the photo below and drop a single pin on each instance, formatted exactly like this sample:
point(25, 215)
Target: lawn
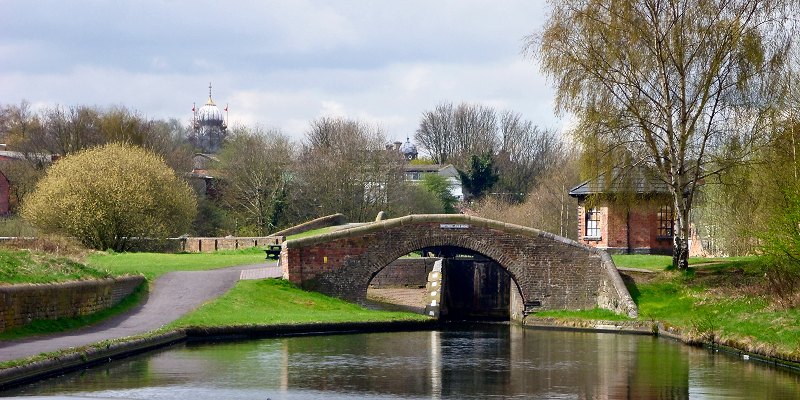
point(710, 312)
point(725, 300)
point(152, 265)
point(661, 263)
point(276, 302)
point(24, 266)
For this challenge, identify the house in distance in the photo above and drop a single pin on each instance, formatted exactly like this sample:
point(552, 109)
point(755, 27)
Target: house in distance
point(625, 216)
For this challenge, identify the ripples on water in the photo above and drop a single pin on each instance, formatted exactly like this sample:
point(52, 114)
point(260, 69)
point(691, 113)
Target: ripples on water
point(462, 362)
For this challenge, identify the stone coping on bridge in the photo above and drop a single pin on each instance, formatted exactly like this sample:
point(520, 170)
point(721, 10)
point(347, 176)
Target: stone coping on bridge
point(622, 301)
point(423, 218)
point(322, 222)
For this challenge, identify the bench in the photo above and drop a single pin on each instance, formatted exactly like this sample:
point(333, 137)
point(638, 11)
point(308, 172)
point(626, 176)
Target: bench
point(273, 251)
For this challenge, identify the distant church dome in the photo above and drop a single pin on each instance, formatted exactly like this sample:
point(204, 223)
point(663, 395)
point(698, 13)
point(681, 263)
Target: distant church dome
point(209, 126)
point(210, 114)
point(409, 150)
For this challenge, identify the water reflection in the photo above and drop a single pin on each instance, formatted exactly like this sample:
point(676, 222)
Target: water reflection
point(475, 361)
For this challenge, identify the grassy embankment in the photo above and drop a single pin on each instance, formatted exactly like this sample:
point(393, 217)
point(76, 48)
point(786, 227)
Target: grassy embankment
point(724, 301)
point(22, 266)
point(262, 302)
point(278, 302)
point(153, 265)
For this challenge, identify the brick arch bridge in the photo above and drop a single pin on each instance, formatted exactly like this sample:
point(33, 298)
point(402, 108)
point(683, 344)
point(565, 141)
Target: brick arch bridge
point(548, 271)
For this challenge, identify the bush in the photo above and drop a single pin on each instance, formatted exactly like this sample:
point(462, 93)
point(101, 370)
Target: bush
point(108, 195)
point(439, 186)
point(781, 248)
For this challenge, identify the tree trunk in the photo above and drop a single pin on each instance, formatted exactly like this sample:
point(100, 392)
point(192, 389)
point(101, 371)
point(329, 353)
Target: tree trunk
point(680, 251)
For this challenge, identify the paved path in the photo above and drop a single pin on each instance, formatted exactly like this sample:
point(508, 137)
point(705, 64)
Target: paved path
point(173, 295)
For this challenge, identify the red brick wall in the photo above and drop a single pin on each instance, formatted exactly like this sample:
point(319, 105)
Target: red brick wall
point(616, 219)
point(404, 272)
point(22, 304)
point(211, 244)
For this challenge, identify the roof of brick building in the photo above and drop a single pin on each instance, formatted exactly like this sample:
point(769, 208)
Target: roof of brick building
point(639, 183)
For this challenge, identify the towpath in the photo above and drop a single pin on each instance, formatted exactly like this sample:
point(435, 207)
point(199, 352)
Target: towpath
point(172, 295)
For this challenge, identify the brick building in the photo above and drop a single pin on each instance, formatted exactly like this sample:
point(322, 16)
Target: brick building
point(632, 217)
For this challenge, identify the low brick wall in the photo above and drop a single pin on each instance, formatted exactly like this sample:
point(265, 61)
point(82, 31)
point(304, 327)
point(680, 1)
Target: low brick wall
point(22, 304)
point(209, 244)
point(404, 272)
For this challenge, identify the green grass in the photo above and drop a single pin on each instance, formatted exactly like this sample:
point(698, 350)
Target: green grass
point(312, 232)
point(275, 301)
point(40, 327)
point(23, 266)
point(153, 265)
point(720, 299)
point(650, 262)
point(742, 319)
point(660, 263)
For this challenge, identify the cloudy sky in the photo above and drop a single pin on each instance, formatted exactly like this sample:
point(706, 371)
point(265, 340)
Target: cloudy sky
point(278, 64)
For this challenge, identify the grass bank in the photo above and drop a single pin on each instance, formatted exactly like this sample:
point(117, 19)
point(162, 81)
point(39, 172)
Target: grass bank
point(153, 265)
point(278, 302)
point(725, 301)
point(662, 263)
point(24, 266)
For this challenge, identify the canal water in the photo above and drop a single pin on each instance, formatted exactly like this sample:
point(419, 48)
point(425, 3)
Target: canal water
point(469, 361)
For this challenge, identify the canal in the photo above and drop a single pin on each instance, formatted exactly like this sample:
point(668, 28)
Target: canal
point(463, 361)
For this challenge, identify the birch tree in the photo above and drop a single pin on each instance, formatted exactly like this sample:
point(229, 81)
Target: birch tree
point(668, 84)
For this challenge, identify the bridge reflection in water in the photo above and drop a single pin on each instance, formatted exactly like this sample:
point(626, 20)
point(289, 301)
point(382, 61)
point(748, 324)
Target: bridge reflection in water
point(462, 361)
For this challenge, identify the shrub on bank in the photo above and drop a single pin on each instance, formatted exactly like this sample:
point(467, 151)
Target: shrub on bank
point(108, 195)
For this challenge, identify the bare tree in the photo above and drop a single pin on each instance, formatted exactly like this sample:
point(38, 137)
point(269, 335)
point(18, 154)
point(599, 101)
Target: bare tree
point(548, 206)
point(344, 167)
point(67, 130)
point(670, 84)
point(435, 133)
point(520, 150)
point(452, 134)
point(254, 167)
point(525, 153)
point(474, 132)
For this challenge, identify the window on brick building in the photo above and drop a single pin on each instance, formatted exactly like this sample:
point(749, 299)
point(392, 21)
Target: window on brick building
point(593, 223)
point(666, 221)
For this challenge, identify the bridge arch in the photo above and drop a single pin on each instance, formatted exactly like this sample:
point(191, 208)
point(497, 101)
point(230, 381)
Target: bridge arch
point(550, 272)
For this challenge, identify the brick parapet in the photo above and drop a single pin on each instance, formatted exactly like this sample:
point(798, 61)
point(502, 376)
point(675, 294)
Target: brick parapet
point(22, 304)
point(211, 244)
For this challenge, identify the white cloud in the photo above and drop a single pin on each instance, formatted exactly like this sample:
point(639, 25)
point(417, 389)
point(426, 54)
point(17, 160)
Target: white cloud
point(277, 64)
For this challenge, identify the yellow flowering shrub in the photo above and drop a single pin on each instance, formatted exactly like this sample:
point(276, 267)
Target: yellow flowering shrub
point(110, 196)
